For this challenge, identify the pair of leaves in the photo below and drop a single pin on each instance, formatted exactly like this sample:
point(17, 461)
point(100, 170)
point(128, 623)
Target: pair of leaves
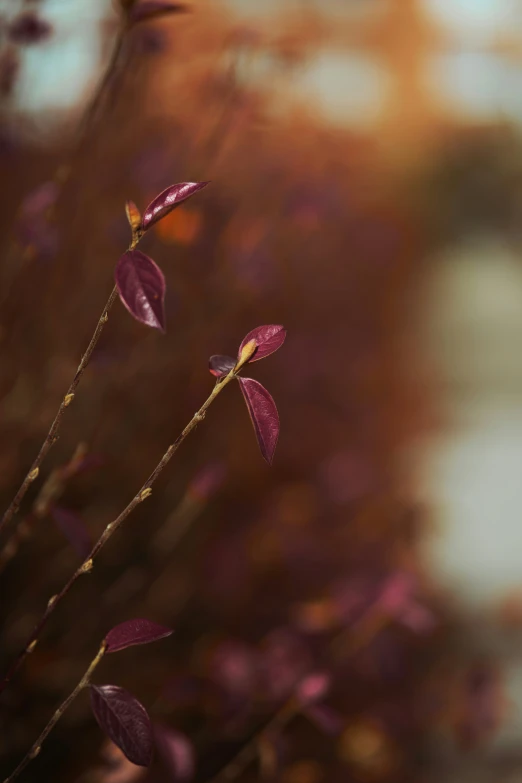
point(260, 404)
point(139, 280)
point(118, 713)
point(141, 287)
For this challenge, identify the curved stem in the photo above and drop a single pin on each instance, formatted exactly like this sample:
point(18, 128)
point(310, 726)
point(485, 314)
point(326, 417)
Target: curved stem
point(113, 526)
point(52, 435)
point(37, 745)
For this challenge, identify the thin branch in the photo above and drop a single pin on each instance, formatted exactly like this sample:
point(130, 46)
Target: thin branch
point(49, 493)
point(112, 527)
point(37, 745)
point(52, 435)
point(61, 176)
point(248, 752)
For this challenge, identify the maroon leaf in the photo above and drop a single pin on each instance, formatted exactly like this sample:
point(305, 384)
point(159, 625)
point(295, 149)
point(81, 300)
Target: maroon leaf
point(263, 412)
point(169, 199)
point(221, 365)
point(268, 339)
point(135, 632)
point(73, 528)
point(176, 751)
point(148, 9)
point(141, 286)
point(125, 721)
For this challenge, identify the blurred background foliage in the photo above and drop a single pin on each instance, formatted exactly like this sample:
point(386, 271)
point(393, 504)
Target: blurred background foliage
point(366, 177)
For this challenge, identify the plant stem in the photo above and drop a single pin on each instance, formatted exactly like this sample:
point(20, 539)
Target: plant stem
point(113, 526)
point(50, 491)
point(62, 174)
point(52, 435)
point(247, 753)
point(37, 745)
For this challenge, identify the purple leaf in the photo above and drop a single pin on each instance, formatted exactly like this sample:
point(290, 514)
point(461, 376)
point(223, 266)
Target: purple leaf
point(263, 412)
point(176, 751)
point(268, 339)
point(125, 721)
point(135, 632)
point(148, 9)
point(141, 286)
point(169, 199)
point(73, 528)
point(221, 365)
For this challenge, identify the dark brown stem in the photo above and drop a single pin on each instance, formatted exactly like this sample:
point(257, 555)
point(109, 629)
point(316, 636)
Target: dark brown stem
point(49, 493)
point(113, 526)
point(52, 435)
point(37, 745)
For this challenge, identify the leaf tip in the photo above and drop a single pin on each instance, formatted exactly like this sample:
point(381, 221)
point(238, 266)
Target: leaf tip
point(246, 352)
point(263, 414)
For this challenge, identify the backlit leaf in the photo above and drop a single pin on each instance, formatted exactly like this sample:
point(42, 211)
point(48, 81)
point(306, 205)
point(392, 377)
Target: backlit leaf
point(134, 632)
point(133, 215)
point(268, 339)
point(125, 720)
point(264, 416)
point(221, 365)
point(168, 200)
point(141, 286)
